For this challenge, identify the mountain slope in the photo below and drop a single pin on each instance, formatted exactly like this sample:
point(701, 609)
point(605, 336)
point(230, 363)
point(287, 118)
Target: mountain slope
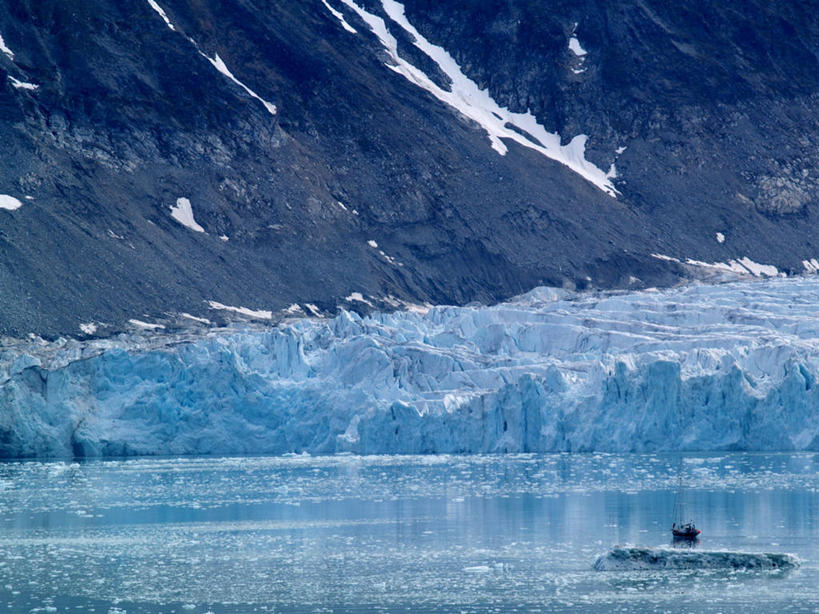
point(326, 168)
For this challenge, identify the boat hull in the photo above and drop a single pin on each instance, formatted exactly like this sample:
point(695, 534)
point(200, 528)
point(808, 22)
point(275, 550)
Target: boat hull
point(685, 534)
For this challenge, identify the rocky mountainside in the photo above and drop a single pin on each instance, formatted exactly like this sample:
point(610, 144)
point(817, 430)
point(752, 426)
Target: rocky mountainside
point(198, 157)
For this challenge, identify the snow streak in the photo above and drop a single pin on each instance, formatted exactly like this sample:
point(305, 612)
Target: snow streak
point(219, 64)
point(22, 85)
point(338, 15)
point(5, 49)
point(215, 61)
point(162, 14)
point(476, 104)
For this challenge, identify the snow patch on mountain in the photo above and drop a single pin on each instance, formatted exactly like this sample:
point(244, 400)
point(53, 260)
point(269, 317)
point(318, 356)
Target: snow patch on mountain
point(5, 49)
point(162, 14)
point(338, 15)
point(145, 325)
point(215, 61)
point(811, 266)
point(389, 258)
point(759, 270)
point(476, 104)
point(9, 203)
point(741, 267)
point(182, 212)
point(259, 314)
point(357, 297)
point(89, 328)
point(575, 48)
point(219, 64)
point(579, 67)
point(22, 85)
point(193, 318)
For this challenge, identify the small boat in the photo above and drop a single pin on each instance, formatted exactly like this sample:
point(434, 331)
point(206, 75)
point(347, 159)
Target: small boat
point(685, 531)
point(679, 529)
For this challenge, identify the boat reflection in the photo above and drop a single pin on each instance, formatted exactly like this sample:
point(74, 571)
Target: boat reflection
point(685, 542)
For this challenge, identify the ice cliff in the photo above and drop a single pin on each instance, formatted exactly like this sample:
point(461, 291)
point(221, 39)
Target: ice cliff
point(722, 367)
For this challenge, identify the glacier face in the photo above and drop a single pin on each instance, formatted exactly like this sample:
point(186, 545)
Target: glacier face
point(721, 367)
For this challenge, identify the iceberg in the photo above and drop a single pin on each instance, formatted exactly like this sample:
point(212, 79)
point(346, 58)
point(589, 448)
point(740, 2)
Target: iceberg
point(697, 368)
point(624, 558)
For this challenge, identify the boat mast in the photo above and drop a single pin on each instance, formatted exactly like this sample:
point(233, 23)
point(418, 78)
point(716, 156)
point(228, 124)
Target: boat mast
point(677, 513)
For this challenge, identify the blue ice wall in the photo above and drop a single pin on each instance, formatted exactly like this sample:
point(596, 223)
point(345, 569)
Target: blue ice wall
point(723, 367)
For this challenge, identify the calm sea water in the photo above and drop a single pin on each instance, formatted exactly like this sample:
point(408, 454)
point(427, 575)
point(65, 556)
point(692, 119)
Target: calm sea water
point(398, 534)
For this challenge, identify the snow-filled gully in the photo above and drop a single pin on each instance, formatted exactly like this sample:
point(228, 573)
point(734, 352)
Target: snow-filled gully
point(215, 61)
point(474, 103)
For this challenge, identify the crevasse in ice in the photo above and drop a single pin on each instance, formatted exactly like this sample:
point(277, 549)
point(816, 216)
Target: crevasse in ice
point(718, 367)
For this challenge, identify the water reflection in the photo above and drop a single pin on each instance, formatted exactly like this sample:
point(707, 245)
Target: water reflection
point(394, 533)
point(678, 541)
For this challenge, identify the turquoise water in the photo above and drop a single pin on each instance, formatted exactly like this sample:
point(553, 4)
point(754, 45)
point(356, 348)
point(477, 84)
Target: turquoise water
point(398, 534)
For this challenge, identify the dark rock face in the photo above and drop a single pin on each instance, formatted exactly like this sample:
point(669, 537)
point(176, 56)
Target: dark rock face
point(716, 106)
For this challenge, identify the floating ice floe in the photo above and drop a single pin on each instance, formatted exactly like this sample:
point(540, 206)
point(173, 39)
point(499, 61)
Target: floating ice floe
point(633, 558)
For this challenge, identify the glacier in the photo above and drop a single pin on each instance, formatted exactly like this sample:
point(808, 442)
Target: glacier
point(697, 368)
point(624, 558)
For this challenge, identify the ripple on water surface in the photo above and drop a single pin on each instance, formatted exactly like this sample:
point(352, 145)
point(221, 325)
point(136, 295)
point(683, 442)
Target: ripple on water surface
point(387, 533)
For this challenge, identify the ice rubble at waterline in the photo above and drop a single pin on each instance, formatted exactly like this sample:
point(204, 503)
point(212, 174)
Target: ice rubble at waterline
point(717, 367)
point(627, 558)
